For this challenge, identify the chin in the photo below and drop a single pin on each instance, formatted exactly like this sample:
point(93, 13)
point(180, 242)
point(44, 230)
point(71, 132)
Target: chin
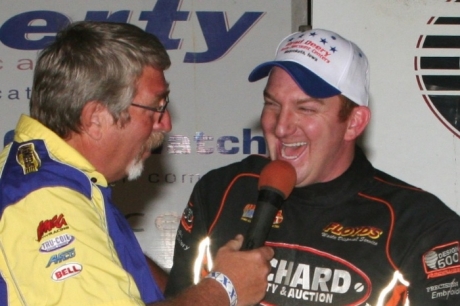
point(134, 170)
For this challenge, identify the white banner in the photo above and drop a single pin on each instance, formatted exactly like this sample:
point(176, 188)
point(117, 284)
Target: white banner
point(215, 111)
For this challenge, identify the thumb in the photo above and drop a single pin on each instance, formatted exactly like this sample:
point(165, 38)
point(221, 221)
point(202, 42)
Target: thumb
point(236, 243)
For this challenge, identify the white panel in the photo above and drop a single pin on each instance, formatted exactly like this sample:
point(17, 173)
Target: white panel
point(405, 138)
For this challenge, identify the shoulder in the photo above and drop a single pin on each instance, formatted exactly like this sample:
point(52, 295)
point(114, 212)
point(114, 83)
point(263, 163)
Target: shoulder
point(405, 198)
point(29, 167)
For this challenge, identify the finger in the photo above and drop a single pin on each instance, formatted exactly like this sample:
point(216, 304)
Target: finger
point(239, 238)
point(236, 243)
point(267, 252)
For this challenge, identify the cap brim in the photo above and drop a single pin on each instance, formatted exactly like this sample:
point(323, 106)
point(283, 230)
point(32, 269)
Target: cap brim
point(310, 83)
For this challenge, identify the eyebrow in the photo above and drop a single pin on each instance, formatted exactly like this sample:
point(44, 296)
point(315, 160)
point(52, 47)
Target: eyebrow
point(163, 94)
point(166, 91)
point(306, 100)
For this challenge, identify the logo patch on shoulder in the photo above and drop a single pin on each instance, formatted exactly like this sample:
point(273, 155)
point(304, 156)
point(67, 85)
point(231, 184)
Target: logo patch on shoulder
point(442, 260)
point(27, 158)
point(187, 218)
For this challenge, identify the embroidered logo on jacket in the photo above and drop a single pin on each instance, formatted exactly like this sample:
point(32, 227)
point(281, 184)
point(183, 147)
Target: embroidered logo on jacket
point(248, 214)
point(442, 260)
point(339, 232)
point(443, 291)
point(302, 275)
point(54, 225)
point(187, 218)
point(66, 271)
point(56, 243)
point(63, 256)
point(27, 158)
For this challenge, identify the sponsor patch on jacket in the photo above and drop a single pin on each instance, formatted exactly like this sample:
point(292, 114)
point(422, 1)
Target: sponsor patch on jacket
point(60, 257)
point(187, 218)
point(337, 231)
point(444, 290)
point(51, 226)
point(27, 158)
point(66, 271)
point(302, 275)
point(56, 243)
point(180, 241)
point(248, 214)
point(442, 260)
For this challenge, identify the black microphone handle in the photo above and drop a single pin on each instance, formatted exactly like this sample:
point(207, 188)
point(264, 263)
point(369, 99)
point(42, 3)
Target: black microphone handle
point(268, 203)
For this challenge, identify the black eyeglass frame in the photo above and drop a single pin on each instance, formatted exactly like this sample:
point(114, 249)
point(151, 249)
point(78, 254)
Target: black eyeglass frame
point(160, 109)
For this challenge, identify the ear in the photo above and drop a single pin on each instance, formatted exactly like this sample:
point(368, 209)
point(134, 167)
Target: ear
point(357, 122)
point(93, 119)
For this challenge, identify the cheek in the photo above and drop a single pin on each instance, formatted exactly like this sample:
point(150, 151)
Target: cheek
point(326, 135)
point(145, 129)
point(268, 121)
point(313, 129)
point(138, 140)
point(320, 127)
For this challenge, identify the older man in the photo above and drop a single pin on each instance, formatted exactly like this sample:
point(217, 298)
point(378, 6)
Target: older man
point(98, 108)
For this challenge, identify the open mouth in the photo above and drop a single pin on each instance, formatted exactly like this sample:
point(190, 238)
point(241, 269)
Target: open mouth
point(292, 150)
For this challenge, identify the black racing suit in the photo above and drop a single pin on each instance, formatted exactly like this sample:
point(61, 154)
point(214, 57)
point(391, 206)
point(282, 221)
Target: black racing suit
point(362, 236)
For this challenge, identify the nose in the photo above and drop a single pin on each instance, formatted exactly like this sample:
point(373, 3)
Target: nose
point(163, 125)
point(285, 123)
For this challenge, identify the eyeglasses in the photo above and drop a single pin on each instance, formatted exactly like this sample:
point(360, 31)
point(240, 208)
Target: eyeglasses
point(160, 109)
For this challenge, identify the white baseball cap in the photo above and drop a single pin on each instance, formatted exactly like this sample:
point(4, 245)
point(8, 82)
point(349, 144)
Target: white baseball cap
point(323, 64)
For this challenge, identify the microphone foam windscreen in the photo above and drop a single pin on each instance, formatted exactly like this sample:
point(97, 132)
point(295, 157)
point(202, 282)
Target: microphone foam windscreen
point(279, 175)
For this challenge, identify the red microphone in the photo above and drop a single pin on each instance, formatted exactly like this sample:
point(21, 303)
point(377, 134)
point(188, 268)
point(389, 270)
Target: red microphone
point(276, 182)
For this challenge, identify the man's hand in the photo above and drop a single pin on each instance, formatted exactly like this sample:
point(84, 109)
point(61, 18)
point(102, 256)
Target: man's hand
point(248, 270)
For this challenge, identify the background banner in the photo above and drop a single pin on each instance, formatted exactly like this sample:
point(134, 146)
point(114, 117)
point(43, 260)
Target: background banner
point(413, 49)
